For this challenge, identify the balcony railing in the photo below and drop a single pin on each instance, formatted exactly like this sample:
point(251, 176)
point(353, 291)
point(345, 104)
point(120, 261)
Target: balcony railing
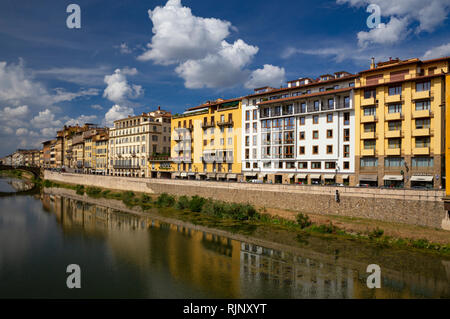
point(126, 166)
point(225, 123)
point(206, 125)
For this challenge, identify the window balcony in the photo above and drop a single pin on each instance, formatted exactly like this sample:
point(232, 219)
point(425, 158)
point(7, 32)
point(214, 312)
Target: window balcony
point(393, 116)
point(421, 95)
point(126, 166)
point(421, 132)
point(207, 125)
point(393, 151)
point(421, 113)
point(368, 135)
point(393, 98)
point(225, 123)
point(368, 102)
point(421, 151)
point(181, 159)
point(368, 152)
point(368, 118)
point(393, 134)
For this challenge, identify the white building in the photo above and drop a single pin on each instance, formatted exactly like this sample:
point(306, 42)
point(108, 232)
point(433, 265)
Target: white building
point(135, 139)
point(303, 133)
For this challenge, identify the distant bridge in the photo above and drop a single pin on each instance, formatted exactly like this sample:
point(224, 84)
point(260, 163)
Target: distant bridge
point(33, 169)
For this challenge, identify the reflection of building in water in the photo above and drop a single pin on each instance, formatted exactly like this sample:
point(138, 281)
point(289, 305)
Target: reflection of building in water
point(304, 277)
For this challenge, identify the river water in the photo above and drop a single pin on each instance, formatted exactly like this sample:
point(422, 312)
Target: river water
point(122, 255)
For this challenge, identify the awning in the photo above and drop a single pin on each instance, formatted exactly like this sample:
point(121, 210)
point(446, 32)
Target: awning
point(221, 175)
point(202, 174)
point(249, 174)
point(262, 175)
point(329, 176)
point(291, 175)
point(183, 175)
point(393, 178)
point(211, 175)
point(418, 178)
point(232, 176)
point(315, 176)
point(345, 176)
point(176, 174)
point(191, 174)
point(302, 176)
point(368, 178)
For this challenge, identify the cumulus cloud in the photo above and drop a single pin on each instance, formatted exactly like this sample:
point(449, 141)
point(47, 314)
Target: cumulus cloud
point(437, 52)
point(198, 47)
point(11, 112)
point(97, 107)
point(118, 89)
point(269, 75)
point(44, 119)
point(117, 112)
point(21, 131)
point(404, 16)
point(81, 120)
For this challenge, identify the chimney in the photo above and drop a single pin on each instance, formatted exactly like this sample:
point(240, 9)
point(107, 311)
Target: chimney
point(159, 108)
point(372, 64)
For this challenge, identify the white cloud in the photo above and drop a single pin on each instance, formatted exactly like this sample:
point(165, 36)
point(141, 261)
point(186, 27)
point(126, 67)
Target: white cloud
point(393, 32)
point(124, 49)
point(82, 76)
point(437, 52)
point(44, 119)
point(404, 15)
point(13, 112)
point(81, 120)
point(97, 107)
point(223, 69)
point(117, 112)
point(21, 131)
point(118, 89)
point(269, 75)
point(198, 47)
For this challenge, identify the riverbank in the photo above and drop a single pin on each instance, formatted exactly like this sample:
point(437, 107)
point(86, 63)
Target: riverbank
point(247, 219)
point(20, 174)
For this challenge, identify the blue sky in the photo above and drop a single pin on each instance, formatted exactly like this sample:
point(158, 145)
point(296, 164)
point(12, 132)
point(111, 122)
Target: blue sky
point(125, 60)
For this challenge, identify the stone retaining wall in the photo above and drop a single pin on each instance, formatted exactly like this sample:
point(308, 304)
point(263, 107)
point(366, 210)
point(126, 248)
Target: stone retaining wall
point(415, 207)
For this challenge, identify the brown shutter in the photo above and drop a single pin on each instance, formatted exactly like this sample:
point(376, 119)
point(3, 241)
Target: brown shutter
point(374, 79)
point(398, 75)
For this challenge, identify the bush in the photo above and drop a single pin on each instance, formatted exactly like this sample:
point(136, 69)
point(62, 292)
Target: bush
point(324, 229)
point(303, 221)
point(232, 211)
point(146, 199)
point(376, 233)
point(93, 191)
point(182, 203)
point(420, 243)
point(79, 189)
point(165, 200)
point(196, 203)
point(47, 183)
point(106, 192)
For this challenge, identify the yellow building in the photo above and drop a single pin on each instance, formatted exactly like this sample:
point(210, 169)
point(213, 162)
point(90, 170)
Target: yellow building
point(400, 123)
point(206, 141)
point(100, 153)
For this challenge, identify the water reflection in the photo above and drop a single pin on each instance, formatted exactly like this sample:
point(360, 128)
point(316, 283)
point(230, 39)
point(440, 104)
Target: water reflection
point(124, 255)
point(11, 185)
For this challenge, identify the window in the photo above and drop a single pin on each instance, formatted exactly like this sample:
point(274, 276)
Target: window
point(329, 149)
point(155, 138)
point(255, 127)
point(303, 108)
point(394, 143)
point(316, 106)
point(346, 135)
point(329, 118)
point(393, 161)
point(247, 115)
point(301, 150)
point(346, 151)
point(422, 123)
point(212, 142)
point(369, 144)
point(302, 120)
point(423, 86)
point(395, 90)
point(346, 165)
point(395, 126)
point(330, 104)
point(254, 140)
point(247, 141)
point(316, 119)
point(346, 118)
point(255, 115)
point(230, 140)
point(315, 149)
point(423, 161)
point(369, 93)
point(247, 128)
point(369, 127)
point(422, 142)
point(423, 105)
point(346, 101)
point(302, 135)
point(329, 133)
point(303, 165)
point(330, 165)
point(369, 111)
point(316, 165)
point(369, 162)
point(315, 135)
point(222, 141)
point(247, 153)
point(394, 108)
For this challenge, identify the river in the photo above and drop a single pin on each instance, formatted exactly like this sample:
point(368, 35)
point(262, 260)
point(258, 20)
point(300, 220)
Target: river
point(122, 255)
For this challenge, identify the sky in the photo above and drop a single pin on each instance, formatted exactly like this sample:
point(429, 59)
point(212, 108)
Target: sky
point(130, 57)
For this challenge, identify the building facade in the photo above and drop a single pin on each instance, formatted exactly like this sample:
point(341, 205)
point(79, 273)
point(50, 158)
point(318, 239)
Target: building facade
point(206, 141)
point(400, 123)
point(133, 140)
point(301, 134)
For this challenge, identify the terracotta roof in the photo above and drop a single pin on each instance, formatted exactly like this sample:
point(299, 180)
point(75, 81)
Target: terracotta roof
point(400, 81)
point(401, 63)
point(291, 98)
point(214, 103)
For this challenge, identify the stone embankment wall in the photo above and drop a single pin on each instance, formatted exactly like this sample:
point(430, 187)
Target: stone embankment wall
point(417, 207)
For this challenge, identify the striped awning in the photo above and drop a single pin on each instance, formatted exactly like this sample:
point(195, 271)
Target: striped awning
point(211, 175)
point(329, 176)
point(176, 174)
point(291, 175)
point(368, 177)
point(302, 176)
point(345, 176)
point(249, 174)
point(184, 175)
point(232, 176)
point(262, 175)
point(191, 174)
point(393, 178)
point(221, 175)
point(419, 178)
point(315, 176)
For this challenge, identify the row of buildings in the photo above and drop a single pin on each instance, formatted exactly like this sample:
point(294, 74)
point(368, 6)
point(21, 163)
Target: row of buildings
point(384, 126)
